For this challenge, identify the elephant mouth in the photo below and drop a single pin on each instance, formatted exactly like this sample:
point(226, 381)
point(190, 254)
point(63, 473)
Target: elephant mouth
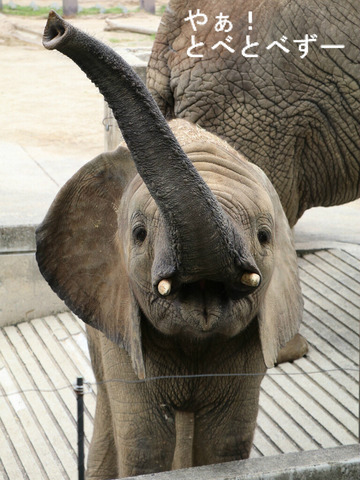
point(209, 289)
point(204, 308)
point(203, 303)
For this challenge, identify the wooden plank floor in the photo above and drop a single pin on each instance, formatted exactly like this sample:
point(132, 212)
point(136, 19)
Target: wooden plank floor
point(307, 405)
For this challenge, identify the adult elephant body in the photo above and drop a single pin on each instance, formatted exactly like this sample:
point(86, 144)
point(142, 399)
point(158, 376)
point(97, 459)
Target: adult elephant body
point(297, 118)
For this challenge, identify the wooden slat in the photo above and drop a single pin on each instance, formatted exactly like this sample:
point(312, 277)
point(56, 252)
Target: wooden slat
point(349, 258)
point(343, 426)
point(9, 463)
point(263, 444)
point(339, 304)
point(22, 448)
point(343, 262)
point(40, 381)
point(330, 358)
point(326, 283)
point(329, 266)
point(335, 332)
point(64, 364)
point(55, 451)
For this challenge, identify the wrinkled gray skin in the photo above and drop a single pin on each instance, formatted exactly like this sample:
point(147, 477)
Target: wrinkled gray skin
point(177, 204)
point(298, 119)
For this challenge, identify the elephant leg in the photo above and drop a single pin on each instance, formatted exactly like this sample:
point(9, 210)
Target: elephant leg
point(102, 458)
point(143, 429)
point(225, 431)
point(296, 348)
point(145, 444)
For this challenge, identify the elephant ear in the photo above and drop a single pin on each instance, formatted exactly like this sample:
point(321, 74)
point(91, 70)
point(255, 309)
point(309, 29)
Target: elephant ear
point(79, 252)
point(282, 308)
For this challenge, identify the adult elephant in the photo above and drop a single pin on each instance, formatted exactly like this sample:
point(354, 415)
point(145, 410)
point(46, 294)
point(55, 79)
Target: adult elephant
point(284, 92)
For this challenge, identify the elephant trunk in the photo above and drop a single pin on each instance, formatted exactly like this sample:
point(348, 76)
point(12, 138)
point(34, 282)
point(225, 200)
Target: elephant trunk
point(203, 241)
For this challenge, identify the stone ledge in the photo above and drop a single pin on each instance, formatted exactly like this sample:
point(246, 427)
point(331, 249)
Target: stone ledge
point(24, 294)
point(329, 464)
point(17, 238)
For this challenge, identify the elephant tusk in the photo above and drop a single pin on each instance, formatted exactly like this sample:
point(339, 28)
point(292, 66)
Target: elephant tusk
point(250, 279)
point(164, 287)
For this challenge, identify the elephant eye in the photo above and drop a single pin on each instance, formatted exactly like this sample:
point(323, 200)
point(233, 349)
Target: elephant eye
point(264, 236)
point(139, 233)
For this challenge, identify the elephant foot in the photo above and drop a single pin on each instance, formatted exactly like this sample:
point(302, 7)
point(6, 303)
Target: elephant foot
point(296, 348)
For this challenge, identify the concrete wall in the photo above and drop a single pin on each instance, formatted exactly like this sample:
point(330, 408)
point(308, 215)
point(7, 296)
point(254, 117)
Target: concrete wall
point(24, 294)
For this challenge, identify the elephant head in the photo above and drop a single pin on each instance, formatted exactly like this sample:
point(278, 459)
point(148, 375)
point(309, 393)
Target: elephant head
point(177, 231)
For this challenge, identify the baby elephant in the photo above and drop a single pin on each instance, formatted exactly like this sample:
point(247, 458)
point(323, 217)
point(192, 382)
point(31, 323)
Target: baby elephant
point(176, 252)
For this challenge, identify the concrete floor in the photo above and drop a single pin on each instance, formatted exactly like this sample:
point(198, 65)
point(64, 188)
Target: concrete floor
point(311, 404)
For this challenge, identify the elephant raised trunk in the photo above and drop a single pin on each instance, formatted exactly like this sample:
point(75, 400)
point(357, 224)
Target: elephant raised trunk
point(203, 242)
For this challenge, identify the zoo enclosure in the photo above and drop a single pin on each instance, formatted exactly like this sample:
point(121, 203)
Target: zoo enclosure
point(300, 411)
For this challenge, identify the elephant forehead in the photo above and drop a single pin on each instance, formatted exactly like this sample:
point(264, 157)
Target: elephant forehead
point(235, 190)
point(232, 184)
point(138, 197)
point(234, 179)
point(220, 164)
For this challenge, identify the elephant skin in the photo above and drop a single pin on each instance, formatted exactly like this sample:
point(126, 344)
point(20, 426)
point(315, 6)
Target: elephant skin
point(179, 368)
point(297, 118)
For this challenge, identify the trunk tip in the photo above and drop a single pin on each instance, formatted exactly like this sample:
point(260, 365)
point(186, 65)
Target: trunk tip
point(54, 30)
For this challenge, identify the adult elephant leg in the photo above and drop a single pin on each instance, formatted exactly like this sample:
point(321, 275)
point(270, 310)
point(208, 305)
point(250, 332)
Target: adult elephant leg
point(143, 432)
point(296, 348)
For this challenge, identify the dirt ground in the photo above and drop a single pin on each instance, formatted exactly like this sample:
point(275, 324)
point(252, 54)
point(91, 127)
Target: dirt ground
point(47, 103)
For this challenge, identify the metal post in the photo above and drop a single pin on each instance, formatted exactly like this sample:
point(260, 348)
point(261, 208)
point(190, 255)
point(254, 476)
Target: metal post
point(148, 5)
point(70, 8)
point(79, 390)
